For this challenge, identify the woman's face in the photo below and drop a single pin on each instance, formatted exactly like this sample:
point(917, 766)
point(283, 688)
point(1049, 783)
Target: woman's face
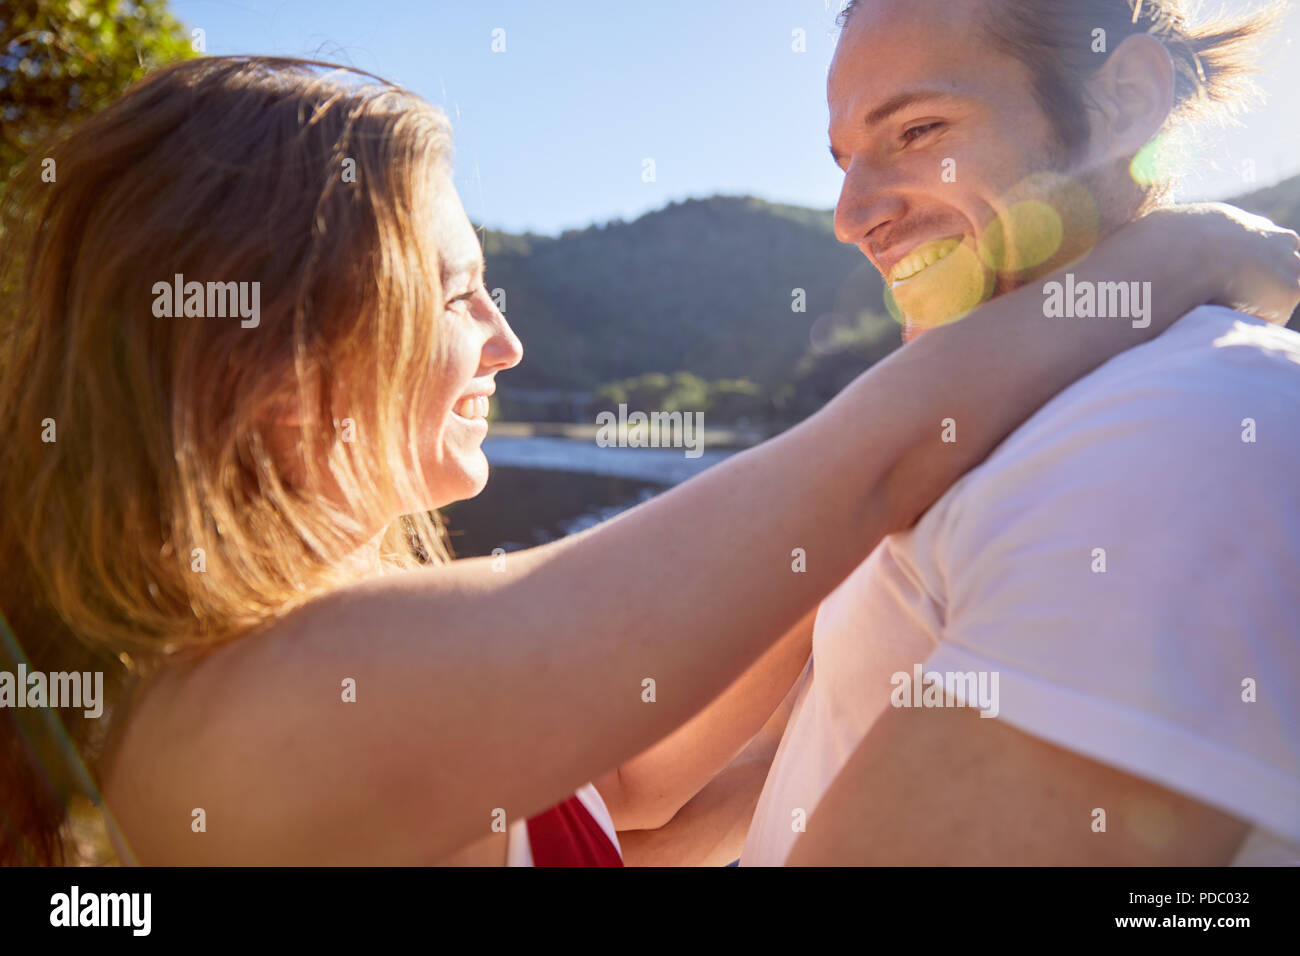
point(474, 342)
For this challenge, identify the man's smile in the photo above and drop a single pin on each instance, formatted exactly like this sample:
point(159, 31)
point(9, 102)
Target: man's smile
point(921, 258)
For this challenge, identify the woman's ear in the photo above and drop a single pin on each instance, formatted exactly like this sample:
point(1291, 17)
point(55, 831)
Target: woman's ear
point(1134, 94)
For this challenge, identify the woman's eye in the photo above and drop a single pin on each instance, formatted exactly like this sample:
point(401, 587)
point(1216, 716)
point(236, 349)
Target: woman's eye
point(462, 298)
point(916, 132)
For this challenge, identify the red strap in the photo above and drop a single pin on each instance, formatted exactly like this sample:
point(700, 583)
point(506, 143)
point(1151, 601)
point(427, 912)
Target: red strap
point(568, 835)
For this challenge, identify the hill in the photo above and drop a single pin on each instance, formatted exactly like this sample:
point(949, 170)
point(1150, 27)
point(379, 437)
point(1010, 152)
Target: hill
point(1281, 203)
point(708, 287)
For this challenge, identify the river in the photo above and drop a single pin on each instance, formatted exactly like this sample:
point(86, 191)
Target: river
point(544, 488)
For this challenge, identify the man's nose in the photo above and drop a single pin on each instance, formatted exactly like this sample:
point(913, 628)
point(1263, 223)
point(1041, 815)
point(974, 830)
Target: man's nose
point(868, 199)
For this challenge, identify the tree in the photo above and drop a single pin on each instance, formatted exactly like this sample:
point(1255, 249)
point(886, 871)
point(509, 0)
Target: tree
point(63, 59)
point(689, 393)
point(738, 402)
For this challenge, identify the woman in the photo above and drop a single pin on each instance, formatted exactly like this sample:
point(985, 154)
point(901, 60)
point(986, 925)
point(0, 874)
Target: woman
point(216, 509)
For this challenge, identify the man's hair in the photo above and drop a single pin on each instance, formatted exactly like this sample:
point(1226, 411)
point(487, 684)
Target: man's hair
point(1213, 61)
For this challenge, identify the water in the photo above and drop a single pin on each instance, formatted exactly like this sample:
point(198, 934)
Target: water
point(542, 489)
point(663, 466)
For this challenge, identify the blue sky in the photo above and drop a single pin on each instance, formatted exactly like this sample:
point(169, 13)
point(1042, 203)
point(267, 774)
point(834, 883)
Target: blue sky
point(552, 133)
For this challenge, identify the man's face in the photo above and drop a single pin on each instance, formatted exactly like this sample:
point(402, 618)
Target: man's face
point(954, 184)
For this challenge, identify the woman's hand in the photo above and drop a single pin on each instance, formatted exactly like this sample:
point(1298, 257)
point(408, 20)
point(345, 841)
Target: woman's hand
point(1252, 263)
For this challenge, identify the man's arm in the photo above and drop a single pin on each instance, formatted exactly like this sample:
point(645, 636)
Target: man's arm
point(944, 786)
point(646, 792)
point(710, 830)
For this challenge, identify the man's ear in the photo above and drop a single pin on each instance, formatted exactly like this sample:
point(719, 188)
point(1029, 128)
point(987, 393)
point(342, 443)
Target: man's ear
point(1133, 93)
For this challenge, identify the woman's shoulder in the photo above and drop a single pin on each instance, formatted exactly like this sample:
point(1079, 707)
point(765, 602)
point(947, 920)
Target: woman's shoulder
point(184, 735)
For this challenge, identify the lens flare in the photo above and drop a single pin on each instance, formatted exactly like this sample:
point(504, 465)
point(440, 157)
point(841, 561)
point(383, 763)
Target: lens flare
point(941, 293)
point(1028, 235)
point(1045, 216)
point(1045, 219)
point(1156, 162)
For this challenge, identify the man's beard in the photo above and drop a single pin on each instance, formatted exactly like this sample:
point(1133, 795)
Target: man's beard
point(1088, 202)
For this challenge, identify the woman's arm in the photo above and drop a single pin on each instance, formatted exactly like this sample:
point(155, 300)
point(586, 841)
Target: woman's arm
point(482, 693)
point(646, 792)
point(710, 830)
point(649, 789)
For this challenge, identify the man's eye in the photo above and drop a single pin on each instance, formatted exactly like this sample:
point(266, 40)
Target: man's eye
point(916, 132)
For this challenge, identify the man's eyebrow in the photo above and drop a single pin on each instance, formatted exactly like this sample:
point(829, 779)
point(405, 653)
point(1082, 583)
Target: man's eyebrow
point(896, 104)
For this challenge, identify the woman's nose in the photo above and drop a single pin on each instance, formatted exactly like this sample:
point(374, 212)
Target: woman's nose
point(503, 349)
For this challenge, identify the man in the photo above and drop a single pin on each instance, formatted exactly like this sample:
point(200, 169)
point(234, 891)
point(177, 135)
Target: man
point(1116, 586)
point(1087, 651)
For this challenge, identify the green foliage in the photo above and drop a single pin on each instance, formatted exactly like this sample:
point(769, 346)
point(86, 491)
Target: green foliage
point(62, 59)
point(649, 391)
point(702, 286)
point(656, 391)
point(738, 401)
point(706, 286)
point(726, 402)
point(845, 353)
point(688, 393)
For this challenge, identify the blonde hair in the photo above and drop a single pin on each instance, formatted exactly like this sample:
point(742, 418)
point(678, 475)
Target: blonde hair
point(144, 511)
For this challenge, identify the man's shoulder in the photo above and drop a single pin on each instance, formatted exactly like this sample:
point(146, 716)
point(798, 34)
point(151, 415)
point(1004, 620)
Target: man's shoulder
point(1198, 382)
point(1216, 395)
point(1206, 341)
point(1209, 350)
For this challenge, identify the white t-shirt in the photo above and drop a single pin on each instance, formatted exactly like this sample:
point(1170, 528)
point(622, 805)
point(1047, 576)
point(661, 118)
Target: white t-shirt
point(1179, 458)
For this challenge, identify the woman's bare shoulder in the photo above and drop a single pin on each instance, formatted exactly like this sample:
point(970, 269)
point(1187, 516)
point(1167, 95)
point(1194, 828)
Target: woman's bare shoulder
point(188, 737)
